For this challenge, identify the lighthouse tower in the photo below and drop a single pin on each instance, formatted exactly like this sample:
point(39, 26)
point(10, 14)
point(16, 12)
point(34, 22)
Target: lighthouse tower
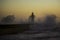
point(32, 18)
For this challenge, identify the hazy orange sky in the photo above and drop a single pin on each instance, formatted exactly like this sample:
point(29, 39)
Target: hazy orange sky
point(23, 8)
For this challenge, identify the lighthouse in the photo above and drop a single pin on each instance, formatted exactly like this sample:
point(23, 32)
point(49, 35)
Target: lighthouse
point(32, 18)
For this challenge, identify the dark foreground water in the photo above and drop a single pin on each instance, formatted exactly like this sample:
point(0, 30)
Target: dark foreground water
point(35, 33)
point(38, 36)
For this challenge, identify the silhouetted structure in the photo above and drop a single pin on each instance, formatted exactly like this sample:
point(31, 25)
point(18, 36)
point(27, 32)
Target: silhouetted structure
point(8, 19)
point(31, 18)
point(50, 20)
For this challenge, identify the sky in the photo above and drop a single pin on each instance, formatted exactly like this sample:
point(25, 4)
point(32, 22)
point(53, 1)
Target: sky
point(22, 9)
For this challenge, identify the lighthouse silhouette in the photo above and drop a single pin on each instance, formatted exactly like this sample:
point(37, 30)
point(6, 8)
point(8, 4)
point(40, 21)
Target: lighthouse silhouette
point(32, 18)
